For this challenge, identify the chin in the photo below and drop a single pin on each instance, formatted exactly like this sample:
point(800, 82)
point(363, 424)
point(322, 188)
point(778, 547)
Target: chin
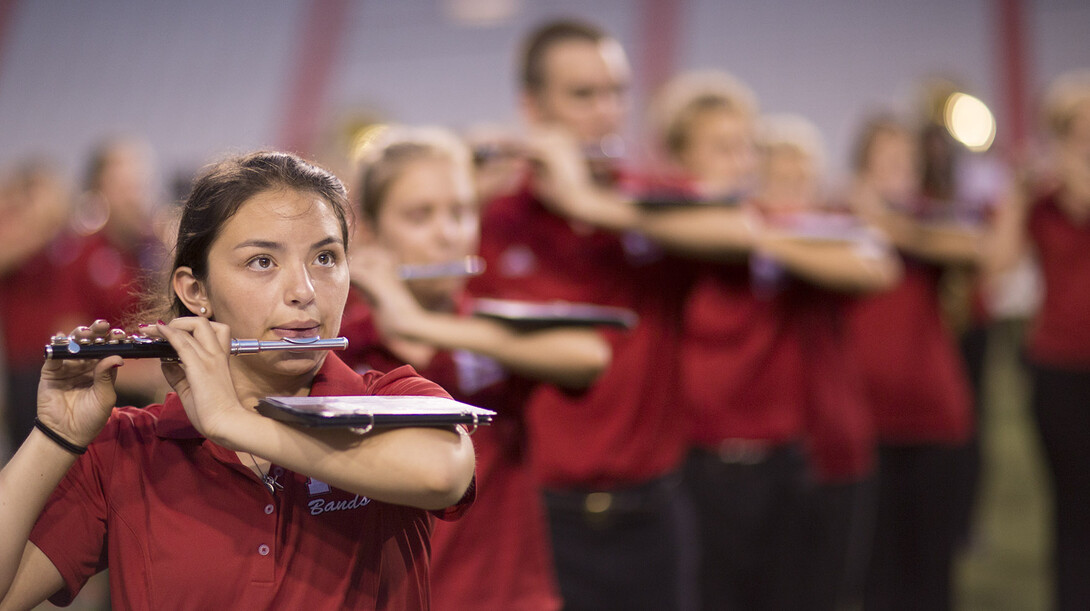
point(292, 365)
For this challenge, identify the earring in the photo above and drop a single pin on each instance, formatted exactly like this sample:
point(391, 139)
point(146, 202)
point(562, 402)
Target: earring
point(204, 310)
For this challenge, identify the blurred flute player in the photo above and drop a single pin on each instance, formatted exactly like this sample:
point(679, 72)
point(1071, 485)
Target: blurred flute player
point(916, 381)
point(200, 502)
point(839, 430)
point(37, 283)
point(417, 203)
point(1049, 213)
point(752, 324)
point(117, 221)
point(607, 456)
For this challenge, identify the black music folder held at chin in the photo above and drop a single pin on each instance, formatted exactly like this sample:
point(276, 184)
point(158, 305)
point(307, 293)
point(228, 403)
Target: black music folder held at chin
point(530, 316)
point(371, 411)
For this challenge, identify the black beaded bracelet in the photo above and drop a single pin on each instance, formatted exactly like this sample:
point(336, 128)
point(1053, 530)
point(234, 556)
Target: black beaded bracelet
point(61, 441)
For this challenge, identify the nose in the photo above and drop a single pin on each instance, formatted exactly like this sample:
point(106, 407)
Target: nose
point(298, 286)
point(608, 105)
point(449, 230)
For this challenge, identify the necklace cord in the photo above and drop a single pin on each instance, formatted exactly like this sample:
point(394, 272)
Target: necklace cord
point(269, 481)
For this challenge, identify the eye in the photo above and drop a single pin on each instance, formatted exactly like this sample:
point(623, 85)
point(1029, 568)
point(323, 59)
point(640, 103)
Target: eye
point(582, 93)
point(326, 259)
point(418, 215)
point(465, 212)
point(260, 262)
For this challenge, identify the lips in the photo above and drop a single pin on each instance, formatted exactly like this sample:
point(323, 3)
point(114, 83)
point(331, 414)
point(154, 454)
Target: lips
point(297, 330)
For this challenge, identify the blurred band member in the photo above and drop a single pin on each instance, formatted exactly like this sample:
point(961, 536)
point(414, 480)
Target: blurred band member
point(38, 282)
point(916, 380)
point(839, 436)
point(120, 250)
point(607, 456)
point(1050, 215)
point(418, 208)
point(743, 359)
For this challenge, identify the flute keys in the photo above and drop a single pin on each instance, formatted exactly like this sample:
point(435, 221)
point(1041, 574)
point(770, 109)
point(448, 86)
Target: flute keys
point(59, 339)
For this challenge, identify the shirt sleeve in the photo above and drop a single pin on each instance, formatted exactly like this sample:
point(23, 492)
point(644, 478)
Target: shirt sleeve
point(71, 530)
point(405, 381)
point(402, 381)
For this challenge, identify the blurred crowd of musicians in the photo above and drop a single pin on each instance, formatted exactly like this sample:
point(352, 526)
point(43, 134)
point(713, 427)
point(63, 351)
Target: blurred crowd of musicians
point(791, 424)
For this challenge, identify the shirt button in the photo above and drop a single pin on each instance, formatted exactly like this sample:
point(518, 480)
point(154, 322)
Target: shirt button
point(269, 509)
point(278, 471)
point(263, 549)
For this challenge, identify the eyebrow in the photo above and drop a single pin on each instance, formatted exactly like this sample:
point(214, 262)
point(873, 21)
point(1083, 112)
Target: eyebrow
point(270, 245)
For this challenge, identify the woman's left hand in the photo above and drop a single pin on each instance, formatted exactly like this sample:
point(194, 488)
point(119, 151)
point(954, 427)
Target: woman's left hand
point(202, 374)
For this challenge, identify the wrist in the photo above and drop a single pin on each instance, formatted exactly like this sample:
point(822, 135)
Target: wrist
point(221, 430)
point(58, 439)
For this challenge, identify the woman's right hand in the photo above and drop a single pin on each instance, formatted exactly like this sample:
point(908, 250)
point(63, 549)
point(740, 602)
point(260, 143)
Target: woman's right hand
point(76, 396)
point(374, 270)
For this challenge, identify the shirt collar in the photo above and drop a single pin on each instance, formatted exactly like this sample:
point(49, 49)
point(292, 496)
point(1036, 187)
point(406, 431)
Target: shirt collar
point(334, 378)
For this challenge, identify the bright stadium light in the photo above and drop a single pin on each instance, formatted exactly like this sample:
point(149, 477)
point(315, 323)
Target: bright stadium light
point(969, 121)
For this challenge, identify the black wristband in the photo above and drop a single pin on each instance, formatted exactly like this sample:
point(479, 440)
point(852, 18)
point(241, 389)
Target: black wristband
point(61, 441)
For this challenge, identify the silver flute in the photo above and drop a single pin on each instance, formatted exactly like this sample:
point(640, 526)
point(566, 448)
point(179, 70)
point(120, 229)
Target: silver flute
point(466, 266)
point(63, 347)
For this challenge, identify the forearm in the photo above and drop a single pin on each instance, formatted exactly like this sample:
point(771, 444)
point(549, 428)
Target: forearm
point(25, 485)
point(599, 208)
point(571, 358)
point(942, 243)
point(706, 232)
point(839, 266)
point(429, 468)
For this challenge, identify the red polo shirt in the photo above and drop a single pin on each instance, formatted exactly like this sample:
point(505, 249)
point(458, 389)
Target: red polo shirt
point(40, 298)
point(1060, 336)
point(498, 555)
point(742, 366)
point(627, 427)
point(914, 375)
point(183, 524)
point(112, 278)
point(839, 425)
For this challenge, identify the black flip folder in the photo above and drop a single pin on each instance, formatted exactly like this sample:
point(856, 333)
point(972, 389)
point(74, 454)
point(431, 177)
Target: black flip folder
point(373, 411)
point(530, 316)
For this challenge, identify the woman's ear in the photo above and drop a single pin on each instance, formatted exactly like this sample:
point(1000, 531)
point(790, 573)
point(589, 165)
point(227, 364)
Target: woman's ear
point(191, 291)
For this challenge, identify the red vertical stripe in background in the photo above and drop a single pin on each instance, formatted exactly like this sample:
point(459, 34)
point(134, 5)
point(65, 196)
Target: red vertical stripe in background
point(656, 53)
point(7, 11)
point(317, 48)
point(1012, 53)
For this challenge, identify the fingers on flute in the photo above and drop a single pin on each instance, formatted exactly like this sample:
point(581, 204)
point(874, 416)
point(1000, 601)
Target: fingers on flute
point(188, 335)
point(98, 328)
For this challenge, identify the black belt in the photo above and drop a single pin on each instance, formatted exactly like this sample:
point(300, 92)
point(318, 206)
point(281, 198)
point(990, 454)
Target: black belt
point(607, 504)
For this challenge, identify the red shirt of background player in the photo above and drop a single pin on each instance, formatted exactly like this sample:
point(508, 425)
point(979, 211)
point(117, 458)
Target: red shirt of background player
point(628, 426)
point(741, 361)
point(498, 555)
point(915, 378)
point(1061, 334)
point(839, 423)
